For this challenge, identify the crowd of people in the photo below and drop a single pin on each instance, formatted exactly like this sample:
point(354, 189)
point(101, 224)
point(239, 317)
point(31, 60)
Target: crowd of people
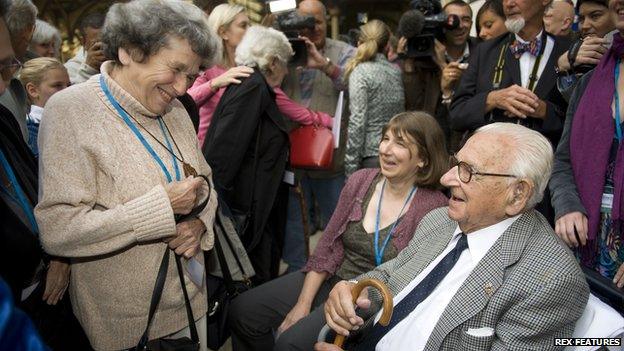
point(480, 178)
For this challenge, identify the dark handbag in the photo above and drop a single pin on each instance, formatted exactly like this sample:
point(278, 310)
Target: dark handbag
point(162, 344)
point(183, 343)
point(311, 147)
point(221, 292)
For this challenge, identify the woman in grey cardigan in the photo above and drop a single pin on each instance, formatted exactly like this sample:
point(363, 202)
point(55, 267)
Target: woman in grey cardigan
point(375, 95)
point(117, 155)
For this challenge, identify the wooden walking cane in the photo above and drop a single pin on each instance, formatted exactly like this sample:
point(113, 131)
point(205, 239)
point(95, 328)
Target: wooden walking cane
point(386, 312)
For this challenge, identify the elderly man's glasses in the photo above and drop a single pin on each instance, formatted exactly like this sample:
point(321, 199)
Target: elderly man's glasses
point(9, 66)
point(466, 171)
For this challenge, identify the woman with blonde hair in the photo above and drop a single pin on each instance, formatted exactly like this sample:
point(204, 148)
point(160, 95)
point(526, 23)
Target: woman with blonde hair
point(375, 95)
point(42, 77)
point(230, 22)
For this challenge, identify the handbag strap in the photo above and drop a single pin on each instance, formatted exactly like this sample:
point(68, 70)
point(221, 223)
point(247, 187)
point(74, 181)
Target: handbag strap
point(227, 277)
point(156, 294)
point(229, 243)
point(187, 302)
point(162, 276)
point(179, 218)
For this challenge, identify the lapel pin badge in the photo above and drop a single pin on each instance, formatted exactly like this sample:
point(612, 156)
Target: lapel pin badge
point(489, 289)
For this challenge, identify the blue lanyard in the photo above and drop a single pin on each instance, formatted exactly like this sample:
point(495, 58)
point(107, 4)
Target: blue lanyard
point(21, 197)
point(170, 149)
point(618, 122)
point(136, 132)
point(379, 252)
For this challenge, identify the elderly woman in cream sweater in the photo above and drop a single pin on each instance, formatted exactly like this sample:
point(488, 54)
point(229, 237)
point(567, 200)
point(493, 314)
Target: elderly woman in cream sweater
point(117, 157)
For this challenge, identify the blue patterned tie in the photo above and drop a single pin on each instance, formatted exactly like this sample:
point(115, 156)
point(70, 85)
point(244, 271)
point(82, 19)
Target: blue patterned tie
point(415, 297)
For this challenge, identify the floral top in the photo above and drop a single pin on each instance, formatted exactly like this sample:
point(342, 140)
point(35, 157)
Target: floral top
point(375, 96)
point(610, 248)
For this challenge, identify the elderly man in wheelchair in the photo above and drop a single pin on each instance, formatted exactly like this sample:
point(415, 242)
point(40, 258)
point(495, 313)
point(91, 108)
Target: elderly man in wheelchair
point(485, 273)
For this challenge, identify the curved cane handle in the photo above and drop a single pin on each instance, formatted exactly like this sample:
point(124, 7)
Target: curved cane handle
point(387, 307)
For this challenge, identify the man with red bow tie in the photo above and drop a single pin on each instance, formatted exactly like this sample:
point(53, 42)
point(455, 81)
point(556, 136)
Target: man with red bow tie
point(512, 78)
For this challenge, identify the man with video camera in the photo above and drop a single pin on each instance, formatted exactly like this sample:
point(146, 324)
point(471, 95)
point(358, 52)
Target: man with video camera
point(316, 87)
point(436, 49)
point(512, 79)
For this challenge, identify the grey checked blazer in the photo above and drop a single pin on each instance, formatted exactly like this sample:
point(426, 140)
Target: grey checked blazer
point(528, 287)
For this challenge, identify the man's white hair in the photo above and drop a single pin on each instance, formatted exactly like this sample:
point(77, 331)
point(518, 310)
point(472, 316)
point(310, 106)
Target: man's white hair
point(261, 45)
point(531, 157)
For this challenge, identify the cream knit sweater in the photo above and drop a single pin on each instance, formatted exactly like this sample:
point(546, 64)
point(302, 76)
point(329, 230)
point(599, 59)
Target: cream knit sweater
point(102, 203)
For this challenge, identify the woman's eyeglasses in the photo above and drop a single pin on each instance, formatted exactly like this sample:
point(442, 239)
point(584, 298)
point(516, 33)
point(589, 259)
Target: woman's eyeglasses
point(466, 171)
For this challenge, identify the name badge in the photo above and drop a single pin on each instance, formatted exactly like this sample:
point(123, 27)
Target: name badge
point(289, 178)
point(607, 201)
point(195, 271)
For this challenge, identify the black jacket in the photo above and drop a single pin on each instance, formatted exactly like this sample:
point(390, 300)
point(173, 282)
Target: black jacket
point(20, 252)
point(247, 124)
point(467, 110)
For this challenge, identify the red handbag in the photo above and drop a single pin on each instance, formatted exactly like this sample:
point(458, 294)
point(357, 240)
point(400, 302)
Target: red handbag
point(311, 147)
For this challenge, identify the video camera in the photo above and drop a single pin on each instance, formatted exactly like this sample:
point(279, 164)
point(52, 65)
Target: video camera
point(422, 25)
point(291, 23)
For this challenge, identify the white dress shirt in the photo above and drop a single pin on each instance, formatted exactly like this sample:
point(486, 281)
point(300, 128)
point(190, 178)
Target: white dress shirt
point(35, 113)
point(414, 330)
point(527, 60)
point(78, 69)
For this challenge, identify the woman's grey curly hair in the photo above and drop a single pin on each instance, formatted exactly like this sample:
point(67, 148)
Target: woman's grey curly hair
point(143, 27)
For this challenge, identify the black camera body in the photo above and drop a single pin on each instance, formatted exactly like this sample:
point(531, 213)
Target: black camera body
point(422, 25)
point(572, 52)
point(291, 23)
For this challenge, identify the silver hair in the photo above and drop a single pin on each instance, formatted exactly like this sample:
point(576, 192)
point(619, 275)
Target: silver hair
point(532, 156)
point(20, 16)
point(44, 33)
point(261, 45)
point(144, 26)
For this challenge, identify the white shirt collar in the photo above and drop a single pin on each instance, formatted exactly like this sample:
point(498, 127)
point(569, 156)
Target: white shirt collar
point(35, 113)
point(480, 241)
point(526, 41)
point(464, 57)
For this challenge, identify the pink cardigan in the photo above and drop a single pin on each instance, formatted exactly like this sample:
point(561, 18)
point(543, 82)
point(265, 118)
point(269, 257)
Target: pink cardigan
point(329, 252)
point(207, 100)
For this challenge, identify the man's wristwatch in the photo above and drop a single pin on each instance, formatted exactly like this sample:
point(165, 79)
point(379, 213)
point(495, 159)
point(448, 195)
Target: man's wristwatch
point(562, 73)
point(446, 99)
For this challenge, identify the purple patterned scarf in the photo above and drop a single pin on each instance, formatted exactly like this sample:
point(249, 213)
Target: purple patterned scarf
point(591, 138)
